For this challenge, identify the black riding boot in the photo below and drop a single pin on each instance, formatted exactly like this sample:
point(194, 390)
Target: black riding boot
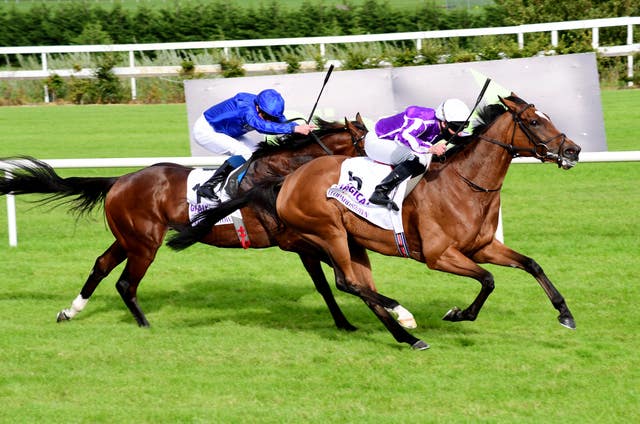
point(402, 171)
point(208, 189)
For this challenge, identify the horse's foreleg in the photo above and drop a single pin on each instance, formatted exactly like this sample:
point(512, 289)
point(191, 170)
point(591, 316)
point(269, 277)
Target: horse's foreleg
point(454, 262)
point(314, 268)
point(104, 264)
point(499, 254)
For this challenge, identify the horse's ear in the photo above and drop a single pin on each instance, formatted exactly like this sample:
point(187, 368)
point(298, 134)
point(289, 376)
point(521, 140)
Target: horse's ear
point(503, 99)
point(359, 118)
point(509, 102)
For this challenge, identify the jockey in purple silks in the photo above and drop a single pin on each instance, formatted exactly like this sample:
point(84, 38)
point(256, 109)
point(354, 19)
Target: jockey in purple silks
point(407, 141)
point(222, 129)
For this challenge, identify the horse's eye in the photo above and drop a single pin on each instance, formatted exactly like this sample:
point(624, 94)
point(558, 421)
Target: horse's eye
point(534, 122)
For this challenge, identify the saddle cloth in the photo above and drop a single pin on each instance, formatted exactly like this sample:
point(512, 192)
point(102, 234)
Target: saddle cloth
point(199, 204)
point(358, 178)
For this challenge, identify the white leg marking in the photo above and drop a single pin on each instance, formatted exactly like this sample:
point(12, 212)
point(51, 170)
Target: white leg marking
point(403, 316)
point(77, 306)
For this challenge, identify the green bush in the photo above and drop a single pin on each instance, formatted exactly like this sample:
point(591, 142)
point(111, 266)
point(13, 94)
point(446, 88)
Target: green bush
point(293, 63)
point(232, 67)
point(57, 87)
point(106, 87)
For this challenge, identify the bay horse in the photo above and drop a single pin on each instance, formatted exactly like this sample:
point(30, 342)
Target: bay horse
point(142, 206)
point(450, 217)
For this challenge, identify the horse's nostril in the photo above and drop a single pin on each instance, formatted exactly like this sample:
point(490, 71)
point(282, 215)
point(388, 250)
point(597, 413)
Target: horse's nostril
point(571, 153)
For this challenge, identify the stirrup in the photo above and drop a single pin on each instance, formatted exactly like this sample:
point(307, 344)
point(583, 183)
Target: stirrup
point(378, 199)
point(208, 192)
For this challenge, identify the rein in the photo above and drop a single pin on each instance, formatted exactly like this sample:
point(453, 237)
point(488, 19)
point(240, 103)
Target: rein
point(475, 186)
point(321, 144)
point(354, 141)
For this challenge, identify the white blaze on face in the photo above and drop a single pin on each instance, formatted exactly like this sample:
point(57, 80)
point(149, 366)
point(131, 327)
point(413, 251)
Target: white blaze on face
point(542, 115)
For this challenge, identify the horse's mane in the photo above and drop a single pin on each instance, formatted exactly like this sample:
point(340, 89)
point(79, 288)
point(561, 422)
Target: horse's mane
point(487, 115)
point(296, 141)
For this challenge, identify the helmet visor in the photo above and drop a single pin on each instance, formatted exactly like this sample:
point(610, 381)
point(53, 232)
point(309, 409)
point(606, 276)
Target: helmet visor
point(456, 126)
point(268, 117)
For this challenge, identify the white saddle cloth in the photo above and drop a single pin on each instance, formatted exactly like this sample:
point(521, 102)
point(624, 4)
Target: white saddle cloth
point(358, 178)
point(198, 204)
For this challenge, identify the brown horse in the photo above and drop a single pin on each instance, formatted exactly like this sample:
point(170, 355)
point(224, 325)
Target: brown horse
point(142, 206)
point(450, 217)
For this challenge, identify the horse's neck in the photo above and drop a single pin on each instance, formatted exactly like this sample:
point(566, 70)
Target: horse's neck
point(485, 164)
point(287, 161)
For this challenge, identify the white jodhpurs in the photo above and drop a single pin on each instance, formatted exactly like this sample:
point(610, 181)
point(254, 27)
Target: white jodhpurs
point(222, 144)
point(391, 152)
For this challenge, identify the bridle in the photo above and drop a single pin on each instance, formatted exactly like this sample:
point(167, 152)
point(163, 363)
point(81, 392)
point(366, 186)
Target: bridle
point(539, 149)
point(355, 141)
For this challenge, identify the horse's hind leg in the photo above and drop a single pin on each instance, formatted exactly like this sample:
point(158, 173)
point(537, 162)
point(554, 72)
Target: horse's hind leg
point(359, 282)
point(313, 267)
point(104, 264)
point(127, 286)
point(362, 267)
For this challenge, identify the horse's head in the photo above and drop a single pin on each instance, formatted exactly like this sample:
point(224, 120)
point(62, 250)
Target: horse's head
point(537, 136)
point(358, 130)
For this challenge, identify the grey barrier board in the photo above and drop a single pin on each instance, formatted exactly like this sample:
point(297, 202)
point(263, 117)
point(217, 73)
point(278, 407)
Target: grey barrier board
point(565, 87)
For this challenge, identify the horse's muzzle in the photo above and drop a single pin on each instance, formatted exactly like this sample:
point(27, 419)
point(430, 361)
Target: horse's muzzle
point(569, 154)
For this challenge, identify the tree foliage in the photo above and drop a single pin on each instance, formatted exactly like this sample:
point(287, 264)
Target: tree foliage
point(46, 24)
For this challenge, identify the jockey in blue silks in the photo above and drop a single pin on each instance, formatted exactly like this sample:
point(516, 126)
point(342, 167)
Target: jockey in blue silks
point(222, 129)
point(408, 139)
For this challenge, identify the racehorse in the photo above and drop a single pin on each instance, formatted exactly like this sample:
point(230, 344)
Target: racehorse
point(451, 214)
point(142, 206)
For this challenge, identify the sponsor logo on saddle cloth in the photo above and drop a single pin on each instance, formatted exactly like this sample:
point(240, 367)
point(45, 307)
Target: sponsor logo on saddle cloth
point(358, 178)
point(199, 204)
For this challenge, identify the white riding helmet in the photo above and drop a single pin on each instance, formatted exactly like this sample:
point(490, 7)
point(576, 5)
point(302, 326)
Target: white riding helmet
point(452, 110)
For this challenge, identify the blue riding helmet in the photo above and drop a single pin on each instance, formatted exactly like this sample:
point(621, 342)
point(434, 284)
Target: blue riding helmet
point(272, 103)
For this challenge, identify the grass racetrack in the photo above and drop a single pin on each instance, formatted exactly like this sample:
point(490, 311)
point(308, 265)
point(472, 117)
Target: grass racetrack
point(241, 336)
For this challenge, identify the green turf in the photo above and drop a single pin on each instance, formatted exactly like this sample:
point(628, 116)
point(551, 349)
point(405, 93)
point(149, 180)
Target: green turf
point(241, 336)
point(621, 110)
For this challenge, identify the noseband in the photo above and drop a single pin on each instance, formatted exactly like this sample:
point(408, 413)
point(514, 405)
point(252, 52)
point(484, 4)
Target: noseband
point(539, 150)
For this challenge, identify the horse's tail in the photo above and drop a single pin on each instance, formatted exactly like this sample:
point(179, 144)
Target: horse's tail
point(27, 175)
point(263, 195)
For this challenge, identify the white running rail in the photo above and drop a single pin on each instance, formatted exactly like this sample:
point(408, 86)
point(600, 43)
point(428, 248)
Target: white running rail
point(214, 161)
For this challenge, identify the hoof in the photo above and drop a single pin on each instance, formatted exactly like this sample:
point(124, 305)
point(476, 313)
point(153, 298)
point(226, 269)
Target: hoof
point(567, 322)
point(452, 314)
point(347, 327)
point(420, 345)
point(62, 316)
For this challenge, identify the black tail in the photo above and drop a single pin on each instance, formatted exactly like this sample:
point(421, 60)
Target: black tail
point(263, 196)
point(27, 175)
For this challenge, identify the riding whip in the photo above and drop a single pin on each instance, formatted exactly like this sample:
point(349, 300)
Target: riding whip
point(480, 96)
point(326, 78)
